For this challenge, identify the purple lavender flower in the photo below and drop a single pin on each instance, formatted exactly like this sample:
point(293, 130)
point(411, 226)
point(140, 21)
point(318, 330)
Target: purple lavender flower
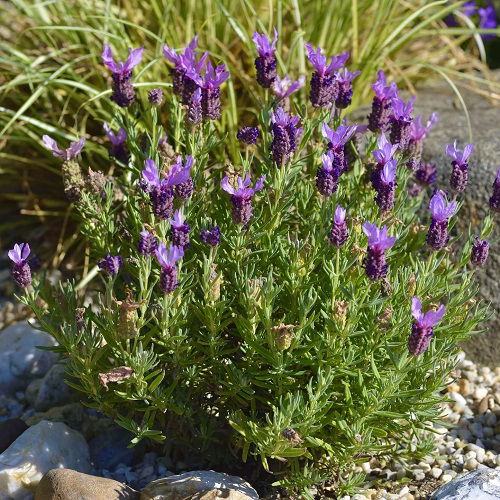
point(123, 91)
point(378, 242)
point(487, 20)
point(337, 140)
point(378, 119)
point(339, 232)
point(210, 88)
point(195, 111)
point(265, 63)
point(286, 131)
point(383, 155)
point(479, 253)
point(118, 144)
point(437, 236)
point(284, 87)
point(241, 197)
point(324, 86)
point(211, 236)
point(328, 174)
point(417, 136)
point(147, 243)
point(248, 135)
point(385, 198)
point(422, 328)
point(21, 272)
point(460, 168)
point(183, 85)
point(426, 174)
point(179, 230)
point(184, 190)
point(400, 121)
point(344, 96)
point(155, 97)
point(495, 197)
point(111, 264)
point(161, 192)
point(167, 259)
point(66, 155)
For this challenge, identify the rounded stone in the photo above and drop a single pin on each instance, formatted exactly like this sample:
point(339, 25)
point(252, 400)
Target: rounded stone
point(67, 484)
point(481, 484)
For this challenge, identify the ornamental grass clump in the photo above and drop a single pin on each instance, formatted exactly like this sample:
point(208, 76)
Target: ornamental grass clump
point(268, 310)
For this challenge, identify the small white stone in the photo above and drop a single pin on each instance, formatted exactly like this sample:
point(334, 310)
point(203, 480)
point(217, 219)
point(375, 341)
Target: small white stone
point(366, 467)
point(446, 478)
point(480, 393)
point(459, 401)
point(418, 474)
point(404, 491)
point(358, 496)
point(469, 455)
point(436, 472)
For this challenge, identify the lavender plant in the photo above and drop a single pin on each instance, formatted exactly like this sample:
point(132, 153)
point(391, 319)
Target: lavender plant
point(283, 323)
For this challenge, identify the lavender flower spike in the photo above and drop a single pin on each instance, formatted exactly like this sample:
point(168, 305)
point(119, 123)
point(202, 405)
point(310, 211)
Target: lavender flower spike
point(118, 143)
point(21, 272)
point(195, 111)
point(285, 132)
point(66, 155)
point(339, 233)
point(284, 87)
point(324, 86)
point(479, 253)
point(211, 236)
point(385, 198)
point(123, 91)
point(460, 168)
point(495, 197)
point(422, 328)
point(179, 230)
point(265, 63)
point(241, 197)
point(248, 135)
point(147, 243)
point(328, 174)
point(382, 103)
point(400, 121)
point(437, 236)
point(183, 190)
point(378, 242)
point(111, 264)
point(337, 140)
point(386, 150)
point(417, 135)
point(344, 96)
point(167, 259)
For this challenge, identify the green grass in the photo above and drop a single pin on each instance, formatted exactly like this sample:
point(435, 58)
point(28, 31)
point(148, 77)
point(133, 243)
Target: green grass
point(52, 79)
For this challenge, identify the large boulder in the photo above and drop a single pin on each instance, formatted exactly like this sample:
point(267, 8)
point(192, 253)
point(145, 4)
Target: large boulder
point(45, 446)
point(53, 390)
point(481, 484)
point(20, 359)
point(484, 164)
point(206, 485)
point(67, 484)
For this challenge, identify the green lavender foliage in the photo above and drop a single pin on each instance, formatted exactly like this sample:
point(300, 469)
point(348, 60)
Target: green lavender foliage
point(211, 378)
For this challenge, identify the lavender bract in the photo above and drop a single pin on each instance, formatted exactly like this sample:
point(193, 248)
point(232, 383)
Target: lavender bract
point(284, 87)
point(437, 236)
point(324, 86)
point(184, 190)
point(339, 232)
point(479, 253)
point(337, 140)
point(383, 155)
point(487, 20)
point(378, 119)
point(211, 236)
point(167, 259)
point(118, 144)
point(345, 91)
point(378, 242)
point(66, 155)
point(418, 133)
point(179, 230)
point(495, 197)
point(248, 135)
point(155, 97)
point(460, 168)
point(386, 185)
point(422, 328)
point(111, 264)
point(241, 197)
point(265, 63)
point(400, 121)
point(286, 131)
point(21, 271)
point(123, 90)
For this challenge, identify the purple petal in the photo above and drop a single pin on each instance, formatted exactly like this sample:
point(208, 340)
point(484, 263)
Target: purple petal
point(431, 317)
point(108, 60)
point(416, 308)
point(133, 59)
point(75, 148)
point(51, 145)
point(340, 214)
point(226, 186)
point(260, 183)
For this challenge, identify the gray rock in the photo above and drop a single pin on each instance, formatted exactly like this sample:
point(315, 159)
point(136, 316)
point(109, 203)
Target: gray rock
point(483, 163)
point(206, 485)
point(31, 391)
point(68, 484)
point(20, 360)
point(45, 446)
point(481, 484)
point(53, 390)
